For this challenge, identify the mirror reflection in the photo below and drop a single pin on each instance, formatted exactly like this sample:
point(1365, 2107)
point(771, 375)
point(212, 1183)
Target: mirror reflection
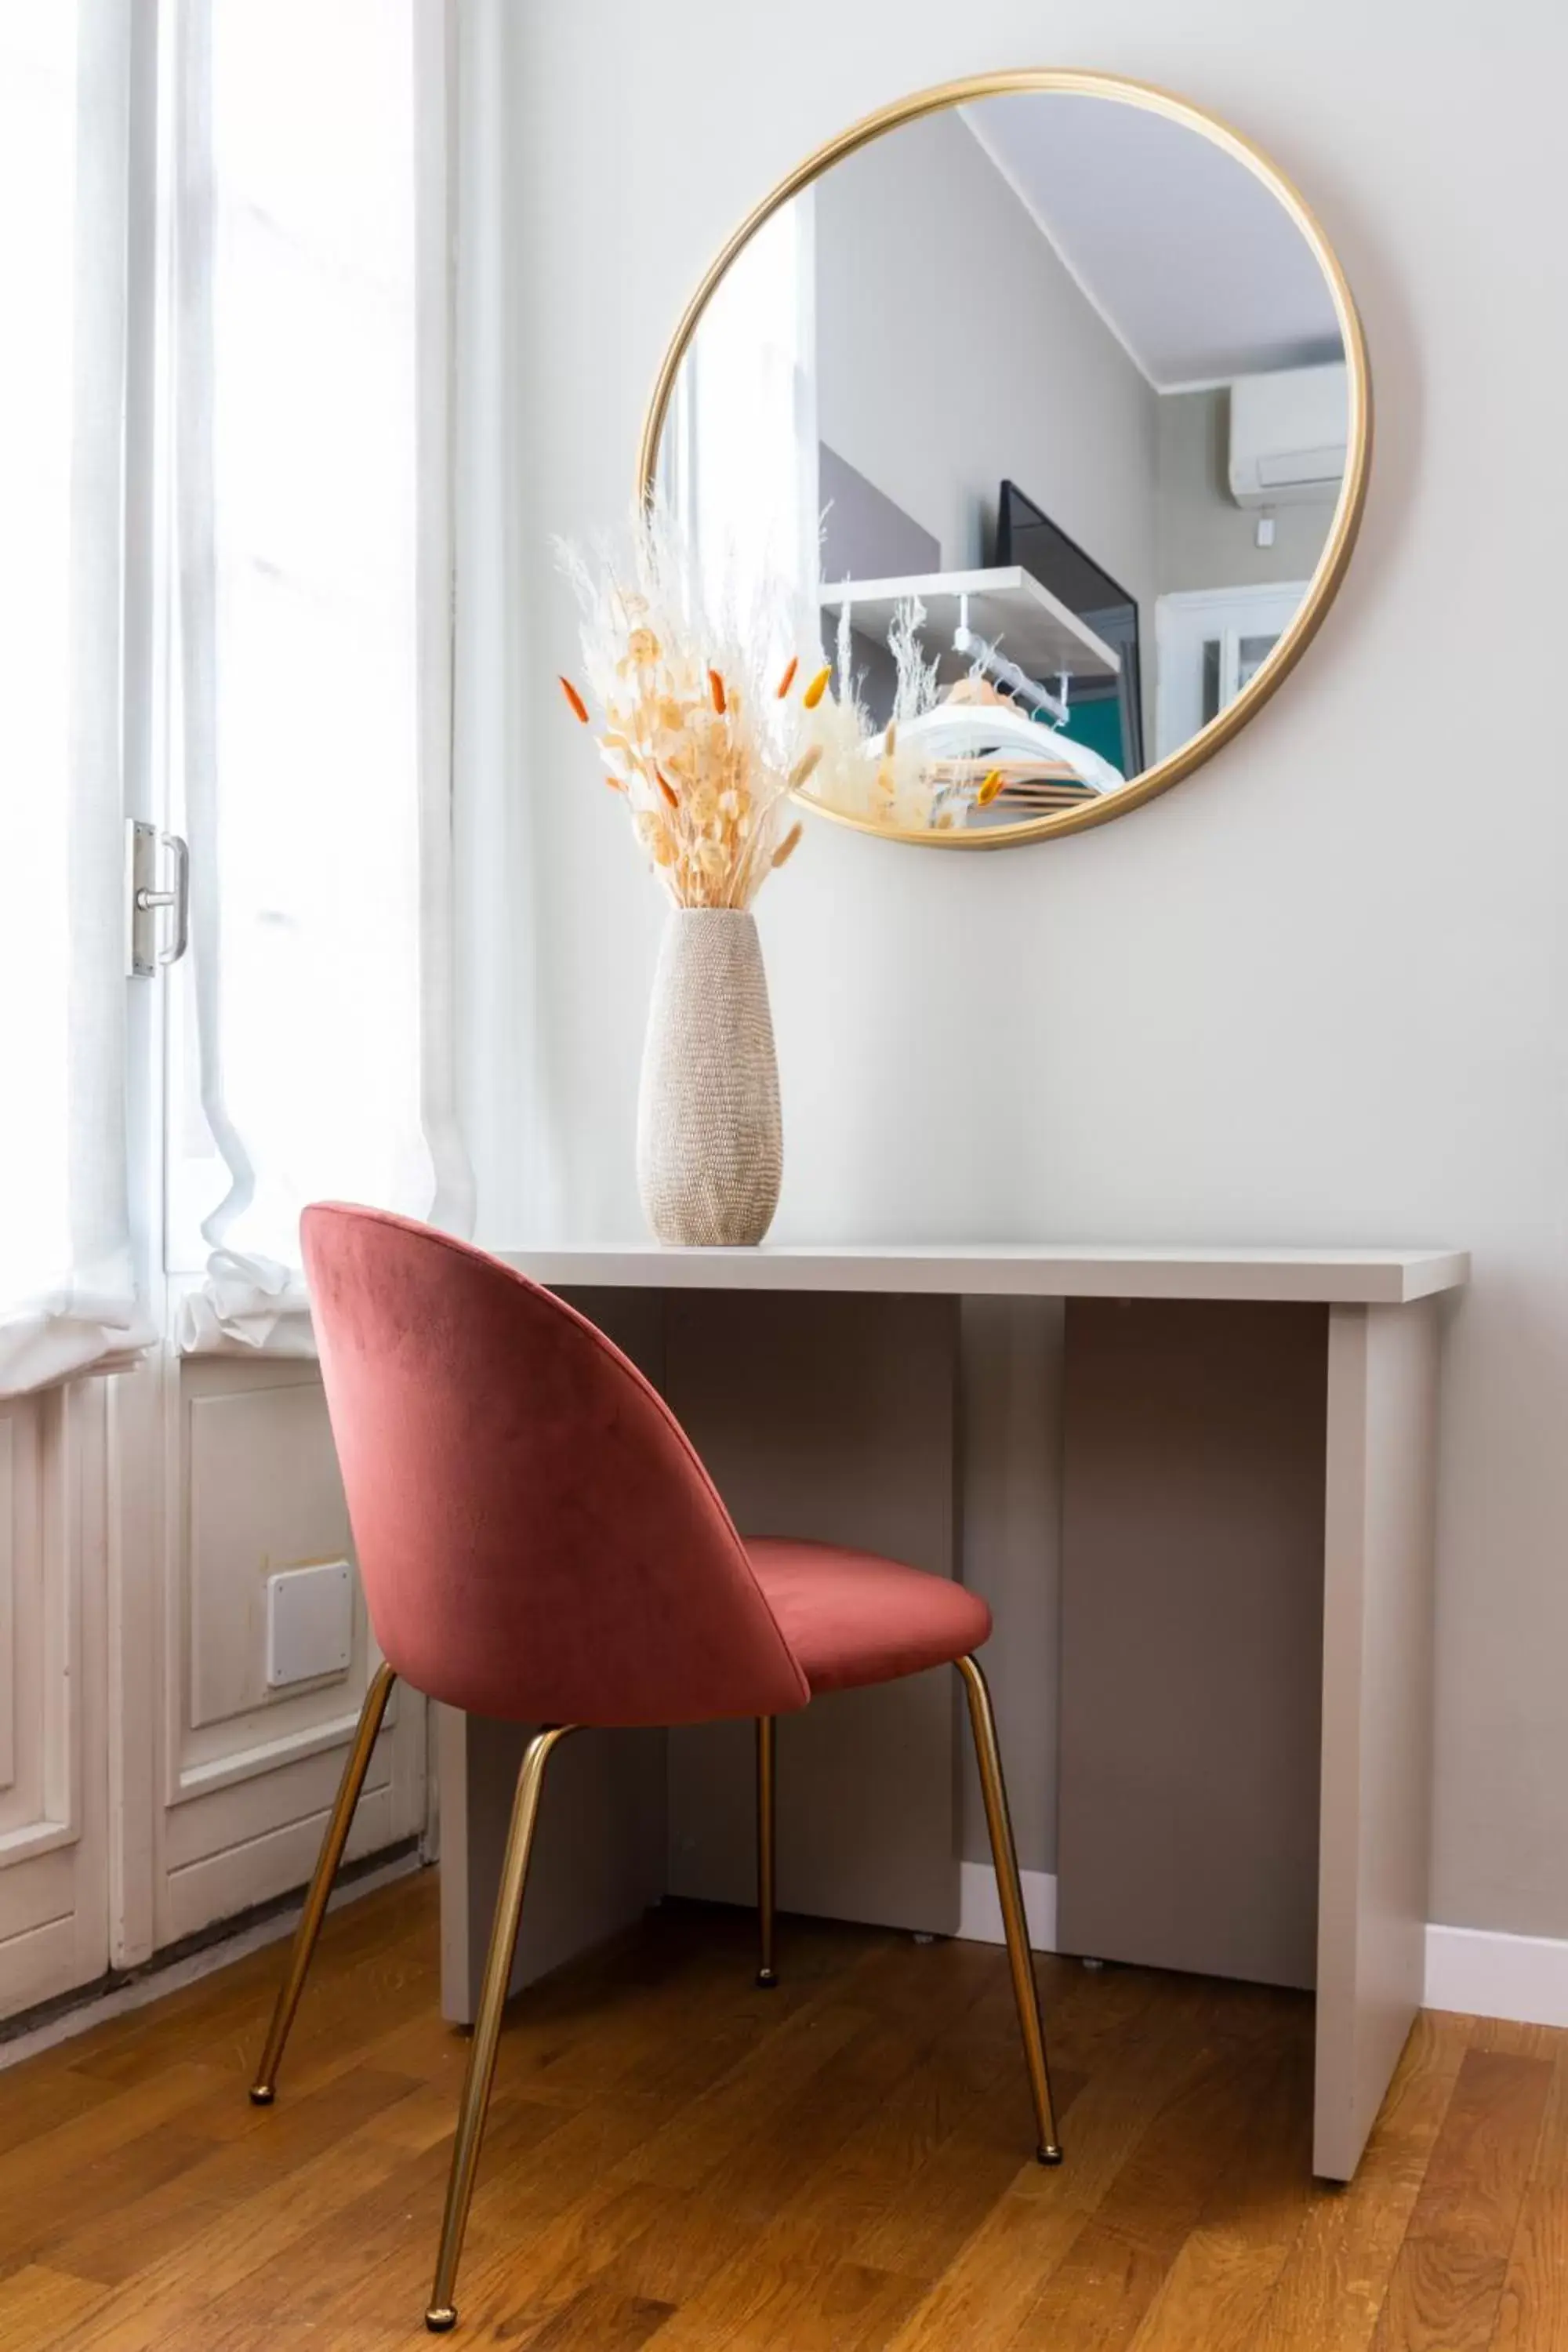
point(1039, 404)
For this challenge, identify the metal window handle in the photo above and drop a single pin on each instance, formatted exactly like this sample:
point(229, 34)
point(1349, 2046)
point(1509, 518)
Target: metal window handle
point(143, 843)
point(178, 897)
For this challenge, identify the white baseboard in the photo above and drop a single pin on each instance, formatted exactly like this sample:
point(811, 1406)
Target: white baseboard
point(980, 1912)
point(1477, 1971)
point(1483, 1973)
point(157, 1981)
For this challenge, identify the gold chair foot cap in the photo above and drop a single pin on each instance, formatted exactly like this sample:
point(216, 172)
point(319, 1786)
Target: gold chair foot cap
point(439, 2318)
point(262, 2094)
point(768, 1980)
point(1047, 2155)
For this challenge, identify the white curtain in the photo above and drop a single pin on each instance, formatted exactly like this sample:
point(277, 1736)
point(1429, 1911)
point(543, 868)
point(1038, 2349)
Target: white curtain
point(311, 631)
point(67, 1292)
point(740, 446)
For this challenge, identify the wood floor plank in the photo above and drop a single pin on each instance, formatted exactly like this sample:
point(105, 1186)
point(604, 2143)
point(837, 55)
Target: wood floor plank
point(39, 2304)
point(32, 2102)
point(597, 2321)
point(519, 2270)
point(788, 2276)
point(353, 1993)
point(525, 2195)
point(1532, 2315)
point(380, 1928)
point(1219, 2284)
point(1445, 2289)
point(126, 2238)
point(679, 2161)
point(721, 2120)
point(328, 2255)
point(248, 2241)
point(72, 2147)
point(841, 2307)
point(1514, 2038)
point(135, 2143)
point(999, 2272)
point(1532, 2310)
point(1122, 2257)
point(1329, 2291)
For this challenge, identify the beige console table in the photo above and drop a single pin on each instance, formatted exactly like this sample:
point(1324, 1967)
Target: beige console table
point(822, 1386)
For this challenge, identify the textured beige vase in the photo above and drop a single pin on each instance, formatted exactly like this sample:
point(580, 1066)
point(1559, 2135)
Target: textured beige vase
point(710, 1144)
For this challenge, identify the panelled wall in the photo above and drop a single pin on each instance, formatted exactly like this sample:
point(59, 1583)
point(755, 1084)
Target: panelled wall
point(151, 1782)
point(247, 1772)
point(54, 1878)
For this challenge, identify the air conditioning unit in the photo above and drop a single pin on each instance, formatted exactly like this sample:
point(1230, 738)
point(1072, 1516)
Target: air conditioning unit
point(1289, 434)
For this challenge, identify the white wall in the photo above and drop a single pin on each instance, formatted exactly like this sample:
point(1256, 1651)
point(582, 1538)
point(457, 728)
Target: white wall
point(953, 349)
point(1319, 991)
point(1205, 539)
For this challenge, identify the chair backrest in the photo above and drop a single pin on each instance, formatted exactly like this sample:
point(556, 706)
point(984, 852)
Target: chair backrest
point(537, 1538)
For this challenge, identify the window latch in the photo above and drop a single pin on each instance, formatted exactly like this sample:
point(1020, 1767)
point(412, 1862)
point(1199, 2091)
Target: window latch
point(146, 901)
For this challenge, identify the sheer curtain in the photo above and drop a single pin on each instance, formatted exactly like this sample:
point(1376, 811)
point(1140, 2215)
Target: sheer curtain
point(311, 694)
point(67, 1292)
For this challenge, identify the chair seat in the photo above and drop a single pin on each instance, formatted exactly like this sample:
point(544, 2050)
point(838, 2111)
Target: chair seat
point(853, 1618)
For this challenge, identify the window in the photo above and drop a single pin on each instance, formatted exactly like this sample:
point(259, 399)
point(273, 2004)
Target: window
point(296, 455)
point(264, 570)
point(37, 224)
point(743, 428)
point(66, 1291)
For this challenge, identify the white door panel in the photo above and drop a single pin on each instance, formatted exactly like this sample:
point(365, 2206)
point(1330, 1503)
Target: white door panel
point(1208, 643)
point(54, 1930)
point(248, 1772)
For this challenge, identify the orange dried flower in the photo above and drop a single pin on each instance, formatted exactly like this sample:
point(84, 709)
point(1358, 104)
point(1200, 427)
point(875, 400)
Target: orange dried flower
point(816, 689)
point(989, 789)
point(678, 704)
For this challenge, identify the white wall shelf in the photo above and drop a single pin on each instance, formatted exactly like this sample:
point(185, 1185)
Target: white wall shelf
point(1005, 605)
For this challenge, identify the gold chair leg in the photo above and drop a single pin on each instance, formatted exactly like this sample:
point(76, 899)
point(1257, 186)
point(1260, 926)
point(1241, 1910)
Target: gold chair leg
point(264, 2089)
point(1005, 1856)
point(442, 2312)
point(767, 1759)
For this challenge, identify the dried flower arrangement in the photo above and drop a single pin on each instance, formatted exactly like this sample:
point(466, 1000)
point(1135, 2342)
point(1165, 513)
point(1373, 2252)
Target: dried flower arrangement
point(881, 773)
point(707, 727)
point(703, 731)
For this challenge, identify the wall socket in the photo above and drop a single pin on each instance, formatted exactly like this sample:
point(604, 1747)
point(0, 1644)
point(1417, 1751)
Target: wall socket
point(309, 1623)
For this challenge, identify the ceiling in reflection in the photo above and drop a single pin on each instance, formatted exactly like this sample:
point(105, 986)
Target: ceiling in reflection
point(1213, 282)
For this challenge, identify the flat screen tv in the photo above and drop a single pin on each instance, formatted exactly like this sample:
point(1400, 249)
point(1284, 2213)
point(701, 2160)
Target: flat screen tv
point(1105, 713)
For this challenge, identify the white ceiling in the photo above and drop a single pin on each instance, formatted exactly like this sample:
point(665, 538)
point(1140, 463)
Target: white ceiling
point(1190, 259)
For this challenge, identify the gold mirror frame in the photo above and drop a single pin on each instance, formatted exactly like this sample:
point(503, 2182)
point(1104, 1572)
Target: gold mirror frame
point(1336, 554)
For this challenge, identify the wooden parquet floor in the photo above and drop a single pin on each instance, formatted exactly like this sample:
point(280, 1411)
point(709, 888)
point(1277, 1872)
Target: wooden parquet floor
point(678, 2160)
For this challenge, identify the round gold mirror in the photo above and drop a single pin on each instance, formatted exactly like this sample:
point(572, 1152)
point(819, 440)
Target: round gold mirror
point(1046, 395)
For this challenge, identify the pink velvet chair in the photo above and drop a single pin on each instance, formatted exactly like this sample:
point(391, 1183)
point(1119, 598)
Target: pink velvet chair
point(539, 1542)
